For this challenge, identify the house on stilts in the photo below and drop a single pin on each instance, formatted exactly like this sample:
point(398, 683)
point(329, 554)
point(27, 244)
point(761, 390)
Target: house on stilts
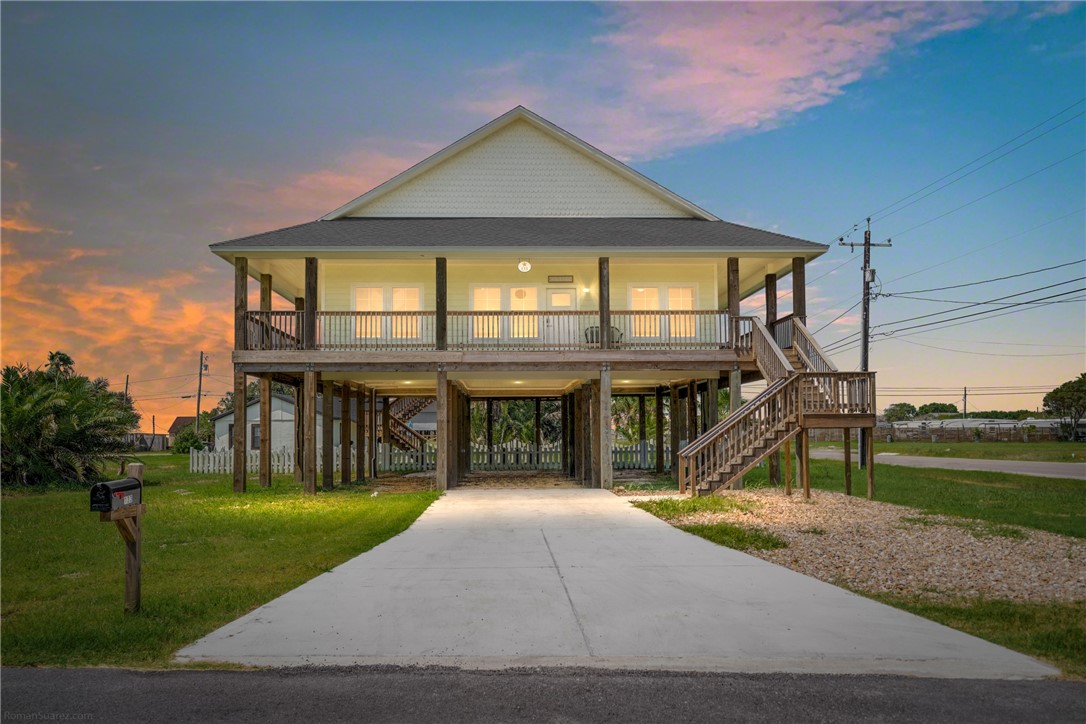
point(521, 262)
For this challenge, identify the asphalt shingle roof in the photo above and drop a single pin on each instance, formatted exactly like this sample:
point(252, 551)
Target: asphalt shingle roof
point(557, 233)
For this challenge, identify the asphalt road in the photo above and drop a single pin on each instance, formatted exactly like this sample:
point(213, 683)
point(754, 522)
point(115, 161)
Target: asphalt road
point(1020, 467)
point(537, 695)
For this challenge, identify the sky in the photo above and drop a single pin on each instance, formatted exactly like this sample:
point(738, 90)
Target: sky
point(134, 135)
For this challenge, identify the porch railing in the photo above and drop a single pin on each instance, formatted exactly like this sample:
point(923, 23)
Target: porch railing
point(503, 330)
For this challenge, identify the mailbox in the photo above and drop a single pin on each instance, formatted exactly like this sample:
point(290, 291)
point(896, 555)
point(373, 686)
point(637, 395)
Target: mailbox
point(115, 494)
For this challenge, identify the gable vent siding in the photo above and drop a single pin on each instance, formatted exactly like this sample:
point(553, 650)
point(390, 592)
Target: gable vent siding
point(520, 172)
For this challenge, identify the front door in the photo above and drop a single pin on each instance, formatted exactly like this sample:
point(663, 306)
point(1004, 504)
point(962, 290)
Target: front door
point(561, 330)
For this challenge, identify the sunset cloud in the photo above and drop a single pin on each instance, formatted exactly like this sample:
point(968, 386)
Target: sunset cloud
point(18, 220)
point(665, 76)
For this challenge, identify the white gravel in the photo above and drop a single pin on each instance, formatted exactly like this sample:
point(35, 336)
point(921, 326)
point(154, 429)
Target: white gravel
point(882, 548)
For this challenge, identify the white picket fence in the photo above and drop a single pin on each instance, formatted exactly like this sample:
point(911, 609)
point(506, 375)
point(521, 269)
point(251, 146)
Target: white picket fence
point(508, 456)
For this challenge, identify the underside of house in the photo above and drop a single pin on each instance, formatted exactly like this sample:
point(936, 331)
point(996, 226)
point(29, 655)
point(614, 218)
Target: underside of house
point(520, 262)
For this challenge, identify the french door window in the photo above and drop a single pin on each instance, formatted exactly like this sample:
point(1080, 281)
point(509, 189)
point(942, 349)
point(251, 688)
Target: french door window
point(377, 300)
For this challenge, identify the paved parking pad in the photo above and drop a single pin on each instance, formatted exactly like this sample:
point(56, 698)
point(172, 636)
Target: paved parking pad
point(504, 578)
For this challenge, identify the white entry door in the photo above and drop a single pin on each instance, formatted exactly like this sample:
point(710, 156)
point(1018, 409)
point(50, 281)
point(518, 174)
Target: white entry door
point(561, 330)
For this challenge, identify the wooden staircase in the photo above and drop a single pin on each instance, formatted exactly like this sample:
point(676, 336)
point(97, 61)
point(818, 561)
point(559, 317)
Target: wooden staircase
point(805, 390)
point(401, 411)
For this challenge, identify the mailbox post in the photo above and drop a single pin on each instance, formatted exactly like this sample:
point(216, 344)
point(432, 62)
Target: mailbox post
point(121, 501)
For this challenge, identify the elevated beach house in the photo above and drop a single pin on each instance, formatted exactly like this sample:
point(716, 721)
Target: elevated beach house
point(522, 262)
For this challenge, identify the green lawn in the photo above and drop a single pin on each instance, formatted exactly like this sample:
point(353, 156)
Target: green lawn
point(1053, 504)
point(209, 556)
point(1049, 452)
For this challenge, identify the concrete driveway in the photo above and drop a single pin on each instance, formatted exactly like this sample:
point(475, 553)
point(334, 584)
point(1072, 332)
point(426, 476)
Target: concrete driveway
point(503, 578)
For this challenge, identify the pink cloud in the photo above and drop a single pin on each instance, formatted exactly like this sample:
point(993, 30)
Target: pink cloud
point(673, 75)
point(304, 195)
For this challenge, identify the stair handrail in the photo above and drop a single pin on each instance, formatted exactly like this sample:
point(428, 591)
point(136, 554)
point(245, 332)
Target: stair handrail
point(398, 427)
point(811, 353)
point(770, 359)
point(758, 405)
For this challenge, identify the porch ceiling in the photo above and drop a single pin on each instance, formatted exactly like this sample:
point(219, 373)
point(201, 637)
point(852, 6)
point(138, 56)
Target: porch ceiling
point(519, 384)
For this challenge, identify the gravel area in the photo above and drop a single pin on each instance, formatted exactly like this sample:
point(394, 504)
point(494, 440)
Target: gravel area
point(882, 548)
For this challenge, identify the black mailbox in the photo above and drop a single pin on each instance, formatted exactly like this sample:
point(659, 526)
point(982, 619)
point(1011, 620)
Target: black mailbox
point(115, 494)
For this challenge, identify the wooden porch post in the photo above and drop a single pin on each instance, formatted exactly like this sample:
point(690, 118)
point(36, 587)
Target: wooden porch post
point(490, 432)
point(595, 426)
point(642, 433)
point(538, 426)
point(299, 397)
point(345, 434)
point(265, 431)
point(441, 305)
point(733, 286)
point(578, 435)
point(265, 306)
point(309, 432)
point(659, 431)
point(299, 431)
point(241, 426)
point(674, 425)
point(605, 302)
point(712, 403)
point(692, 411)
point(799, 289)
point(565, 434)
point(309, 318)
point(847, 436)
point(360, 432)
point(788, 467)
point(774, 462)
point(327, 437)
point(806, 464)
point(606, 434)
point(870, 469)
point(441, 473)
point(241, 302)
point(372, 426)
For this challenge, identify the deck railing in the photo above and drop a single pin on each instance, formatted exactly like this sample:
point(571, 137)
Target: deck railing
point(503, 330)
point(523, 330)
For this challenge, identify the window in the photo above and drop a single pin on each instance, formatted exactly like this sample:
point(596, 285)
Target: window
point(486, 299)
point(230, 435)
point(376, 301)
point(369, 299)
point(524, 299)
point(645, 299)
point(254, 437)
point(405, 299)
point(681, 299)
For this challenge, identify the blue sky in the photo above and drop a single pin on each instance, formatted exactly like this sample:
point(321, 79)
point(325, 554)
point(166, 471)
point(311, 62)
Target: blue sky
point(135, 134)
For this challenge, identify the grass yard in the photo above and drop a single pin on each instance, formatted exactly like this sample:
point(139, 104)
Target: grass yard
point(743, 538)
point(209, 556)
point(1057, 505)
point(1048, 452)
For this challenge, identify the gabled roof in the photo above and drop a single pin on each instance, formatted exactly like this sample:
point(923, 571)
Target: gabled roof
point(665, 202)
point(521, 234)
point(180, 423)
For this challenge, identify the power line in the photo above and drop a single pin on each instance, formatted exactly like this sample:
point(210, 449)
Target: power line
point(989, 246)
point(985, 281)
point(974, 314)
point(990, 193)
point(994, 354)
point(978, 168)
point(837, 317)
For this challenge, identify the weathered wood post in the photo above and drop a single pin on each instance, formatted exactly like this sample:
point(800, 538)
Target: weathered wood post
point(309, 432)
point(774, 463)
point(642, 434)
point(659, 431)
point(121, 502)
point(847, 435)
point(265, 473)
point(360, 432)
point(373, 432)
point(241, 311)
point(441, 473)
point(606, 434)
point(441, 304)
point(327, 437)
point(799, 289)
point(605, 302)
point(673, 424)
point(345, 434)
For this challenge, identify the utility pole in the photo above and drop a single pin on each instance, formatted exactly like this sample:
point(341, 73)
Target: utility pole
point(199, 393)
point(126, 388)
point(865, 342)
point(965, 401)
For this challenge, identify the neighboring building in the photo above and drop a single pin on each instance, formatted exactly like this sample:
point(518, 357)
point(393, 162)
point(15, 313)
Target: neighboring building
point(147, 442)
point(522, 262)
point(179, 424)
point(282, 423)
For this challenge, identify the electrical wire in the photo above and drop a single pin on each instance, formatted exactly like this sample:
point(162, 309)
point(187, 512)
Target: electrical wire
point(837, 317)
point(985, 281)
point(994, 354)
point(990, 193)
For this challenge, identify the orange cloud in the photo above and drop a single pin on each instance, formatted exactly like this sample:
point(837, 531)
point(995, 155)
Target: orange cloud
point(19, 221)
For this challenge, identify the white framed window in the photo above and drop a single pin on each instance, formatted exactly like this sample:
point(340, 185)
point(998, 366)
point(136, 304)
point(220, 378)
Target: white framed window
point(658, 296)
point(378, 299)
point(505, 298)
